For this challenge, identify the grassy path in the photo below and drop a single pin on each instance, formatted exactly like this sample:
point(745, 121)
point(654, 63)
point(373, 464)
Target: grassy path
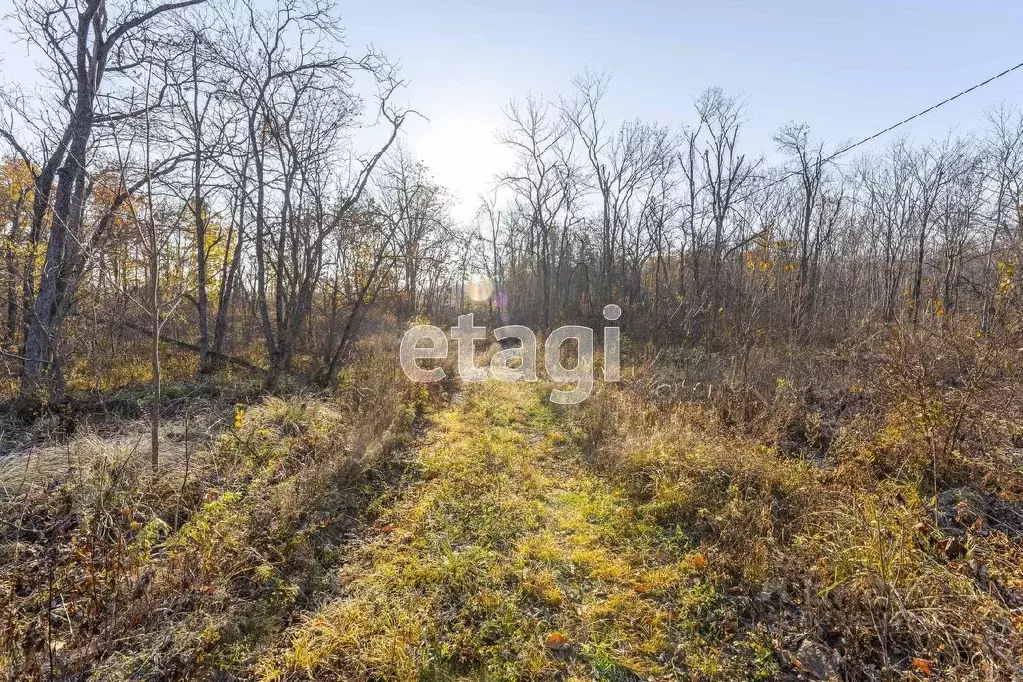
point(509, 559)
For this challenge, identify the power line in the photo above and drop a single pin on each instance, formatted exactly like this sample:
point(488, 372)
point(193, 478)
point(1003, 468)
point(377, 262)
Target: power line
point(892, 127)
point(921, 113)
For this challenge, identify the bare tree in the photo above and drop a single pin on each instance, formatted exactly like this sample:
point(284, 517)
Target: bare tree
point(299, 102)
point(545, 184)
point(83, 44)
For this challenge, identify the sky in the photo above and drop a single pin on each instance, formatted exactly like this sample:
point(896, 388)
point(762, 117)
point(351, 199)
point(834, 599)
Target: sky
point(847, 68)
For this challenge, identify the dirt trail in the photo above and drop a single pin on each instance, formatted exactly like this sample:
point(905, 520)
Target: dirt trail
point(509, 559)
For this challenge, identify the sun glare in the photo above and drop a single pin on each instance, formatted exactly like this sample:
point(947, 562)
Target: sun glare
point(479, 288)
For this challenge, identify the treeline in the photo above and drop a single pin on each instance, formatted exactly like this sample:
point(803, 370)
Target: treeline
point(200, 173)
point(701, 241)
point(193, 170)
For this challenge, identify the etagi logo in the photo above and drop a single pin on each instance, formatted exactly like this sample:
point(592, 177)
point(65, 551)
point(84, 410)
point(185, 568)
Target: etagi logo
point(515, 364)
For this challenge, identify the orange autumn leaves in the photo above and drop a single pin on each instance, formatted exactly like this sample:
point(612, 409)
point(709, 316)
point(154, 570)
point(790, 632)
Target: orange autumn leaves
point(923, 666)
point(556, 641)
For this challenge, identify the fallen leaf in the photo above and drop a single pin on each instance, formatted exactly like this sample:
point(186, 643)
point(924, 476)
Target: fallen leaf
point(922, 665)
point(640, 588)
point(556, 641)
point(700, 561)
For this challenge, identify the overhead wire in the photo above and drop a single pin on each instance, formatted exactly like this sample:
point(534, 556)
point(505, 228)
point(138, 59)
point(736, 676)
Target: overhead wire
point(899, 124)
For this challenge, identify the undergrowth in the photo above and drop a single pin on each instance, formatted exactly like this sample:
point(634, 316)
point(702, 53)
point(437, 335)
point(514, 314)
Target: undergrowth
point(878, 515)
point(511, 560)
point(855, 514)
point(117, 572)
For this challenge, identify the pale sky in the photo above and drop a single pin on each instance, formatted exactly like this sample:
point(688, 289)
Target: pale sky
point(847, 68)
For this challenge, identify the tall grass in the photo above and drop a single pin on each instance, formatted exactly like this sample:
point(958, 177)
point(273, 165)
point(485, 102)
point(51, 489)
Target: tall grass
point(113, 571)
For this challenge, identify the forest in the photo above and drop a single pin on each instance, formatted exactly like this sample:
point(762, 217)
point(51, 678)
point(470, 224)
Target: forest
point(214, 235)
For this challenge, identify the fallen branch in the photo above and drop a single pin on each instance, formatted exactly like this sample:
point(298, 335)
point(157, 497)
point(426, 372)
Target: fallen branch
point(233, 359)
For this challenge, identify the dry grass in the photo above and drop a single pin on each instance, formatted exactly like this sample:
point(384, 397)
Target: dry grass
point(112, 571)
point(708, 519)
point(39, 465)
point(509, 559)
point(877, 510)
